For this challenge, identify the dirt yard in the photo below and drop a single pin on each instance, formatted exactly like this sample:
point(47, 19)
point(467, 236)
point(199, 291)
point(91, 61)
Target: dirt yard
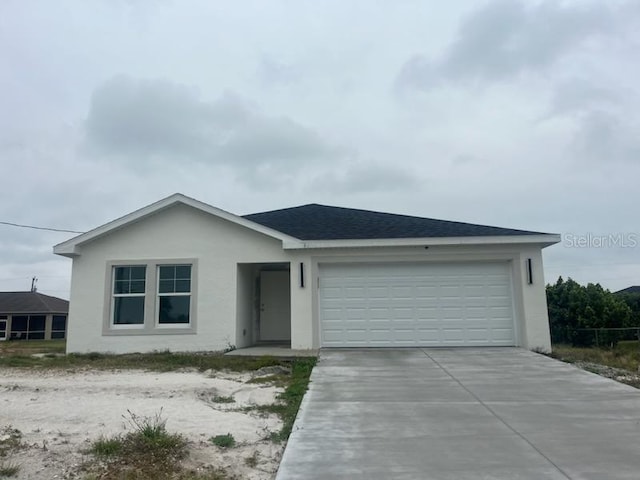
point(60, 413)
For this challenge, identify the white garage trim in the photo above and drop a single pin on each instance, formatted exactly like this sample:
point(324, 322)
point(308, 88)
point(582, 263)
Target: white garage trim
point(416, 304)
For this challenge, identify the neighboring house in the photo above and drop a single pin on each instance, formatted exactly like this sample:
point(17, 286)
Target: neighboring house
point(32, 316)
point(633, 289)
point(182, 275)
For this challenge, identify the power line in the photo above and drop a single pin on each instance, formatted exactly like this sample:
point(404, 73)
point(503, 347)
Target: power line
point(39, 228)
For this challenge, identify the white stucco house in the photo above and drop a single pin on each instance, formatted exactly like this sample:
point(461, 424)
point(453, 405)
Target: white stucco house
point(185, 276)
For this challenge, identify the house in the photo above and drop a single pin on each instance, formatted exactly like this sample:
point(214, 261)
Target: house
point(632, 289)
point(183, 275)
point(32, 316)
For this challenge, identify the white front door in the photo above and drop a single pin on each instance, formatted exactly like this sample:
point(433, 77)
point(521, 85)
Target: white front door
point(275, 306)
point(416, 304)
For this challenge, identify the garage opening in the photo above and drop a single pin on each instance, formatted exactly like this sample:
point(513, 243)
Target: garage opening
point(416, 304)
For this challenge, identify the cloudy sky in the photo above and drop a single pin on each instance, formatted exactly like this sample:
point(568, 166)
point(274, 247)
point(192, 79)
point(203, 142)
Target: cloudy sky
point(514, 113)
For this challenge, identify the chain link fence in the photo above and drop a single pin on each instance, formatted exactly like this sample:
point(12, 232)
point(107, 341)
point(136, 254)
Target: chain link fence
point(602, 337)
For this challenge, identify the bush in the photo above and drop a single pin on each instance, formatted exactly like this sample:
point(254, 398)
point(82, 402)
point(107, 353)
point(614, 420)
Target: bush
point(223, 441)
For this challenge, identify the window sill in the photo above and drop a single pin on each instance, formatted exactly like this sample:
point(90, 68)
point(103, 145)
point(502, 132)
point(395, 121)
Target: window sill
point(150, 331)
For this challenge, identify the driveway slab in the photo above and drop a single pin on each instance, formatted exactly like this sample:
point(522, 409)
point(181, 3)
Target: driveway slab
point(458, 414)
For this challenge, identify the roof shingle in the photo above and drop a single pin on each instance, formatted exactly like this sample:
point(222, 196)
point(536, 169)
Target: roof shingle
point(322, 222)
point(31, 302)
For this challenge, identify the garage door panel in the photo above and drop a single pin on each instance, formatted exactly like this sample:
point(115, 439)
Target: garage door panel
point(416, 304)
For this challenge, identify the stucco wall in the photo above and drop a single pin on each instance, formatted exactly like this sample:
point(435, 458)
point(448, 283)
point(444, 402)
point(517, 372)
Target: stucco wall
point(178, 232)
point(224, 288)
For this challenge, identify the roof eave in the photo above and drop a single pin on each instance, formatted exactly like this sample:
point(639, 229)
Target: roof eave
point(71, 247)
point(544, 240)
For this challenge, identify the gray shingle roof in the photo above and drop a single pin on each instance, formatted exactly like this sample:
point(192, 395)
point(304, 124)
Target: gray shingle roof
point(322, 222)
point(31, 302)
point(633, 289)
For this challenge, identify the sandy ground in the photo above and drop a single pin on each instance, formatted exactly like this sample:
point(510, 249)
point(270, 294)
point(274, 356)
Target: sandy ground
point(60, 413)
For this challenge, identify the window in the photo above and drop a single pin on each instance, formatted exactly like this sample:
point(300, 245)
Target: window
point(58, 326)
point(174, 294)
point(147, 297)
point(129, 286)
point(28, 327)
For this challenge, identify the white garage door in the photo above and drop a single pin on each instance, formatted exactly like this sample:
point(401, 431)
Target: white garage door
point(402, 304)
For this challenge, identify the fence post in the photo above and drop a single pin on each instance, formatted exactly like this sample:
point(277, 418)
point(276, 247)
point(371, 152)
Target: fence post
point(597, 342)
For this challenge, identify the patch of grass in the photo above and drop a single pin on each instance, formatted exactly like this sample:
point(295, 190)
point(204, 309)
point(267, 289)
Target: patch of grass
point(8, 469)
point(279, 380)
point(29, 347)
point(223, 441)
point(147, 452)
point(156, 361)
point(107, 447)
point(625, 356)
point(223, 399)
point(10, 440)
point(252, 461)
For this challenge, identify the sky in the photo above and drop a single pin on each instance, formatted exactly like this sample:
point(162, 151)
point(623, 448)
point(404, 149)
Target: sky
point(521, 114)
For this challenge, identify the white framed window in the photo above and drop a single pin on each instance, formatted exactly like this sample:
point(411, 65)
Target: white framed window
point(173, 304)
point(128, 296)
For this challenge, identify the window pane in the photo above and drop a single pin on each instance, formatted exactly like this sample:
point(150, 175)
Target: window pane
point(138, 273)
point(128, 311)
point(137, 286)
point(36, 323)
point(166, 286)
point(36, 336)
point(122, 273)
point(59, 322)
point(183, 272)
point(167, 272)
point(55, 335)
point(19, 323)
point(183, 286)
point(174, 309)
point(121, 286)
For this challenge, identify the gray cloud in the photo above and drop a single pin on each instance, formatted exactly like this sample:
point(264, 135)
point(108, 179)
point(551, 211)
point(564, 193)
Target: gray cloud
point(367, 177)
point(605, 138)
point(580, 95)
point(505, 38)
point(161, 120)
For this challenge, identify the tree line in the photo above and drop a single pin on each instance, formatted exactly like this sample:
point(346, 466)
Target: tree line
point(574, 307)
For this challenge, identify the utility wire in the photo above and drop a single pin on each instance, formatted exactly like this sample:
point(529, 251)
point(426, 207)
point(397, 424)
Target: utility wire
point(40, 228)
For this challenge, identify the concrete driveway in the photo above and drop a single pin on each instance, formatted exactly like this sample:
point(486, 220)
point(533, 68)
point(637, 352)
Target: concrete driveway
point(457, 414)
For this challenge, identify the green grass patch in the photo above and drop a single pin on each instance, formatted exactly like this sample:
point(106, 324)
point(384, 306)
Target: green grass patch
point(223, 441)
point(29, 347)
point(155, 361)
point(148, 451)
point(107, 447)
point(290, 399)
point(278, 380)
point(10, 441)
point(223, 399)
point(8, 469)
point(626, 355)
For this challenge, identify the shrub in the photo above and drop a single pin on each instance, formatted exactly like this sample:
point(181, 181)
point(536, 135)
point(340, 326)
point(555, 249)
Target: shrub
point(223, 441)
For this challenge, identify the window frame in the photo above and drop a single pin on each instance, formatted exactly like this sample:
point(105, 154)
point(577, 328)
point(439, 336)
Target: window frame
point(150, 326)
point(114, 295)
point(159, 295)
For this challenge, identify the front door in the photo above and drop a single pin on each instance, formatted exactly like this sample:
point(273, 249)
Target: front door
point(275, 306)
point(3, 328)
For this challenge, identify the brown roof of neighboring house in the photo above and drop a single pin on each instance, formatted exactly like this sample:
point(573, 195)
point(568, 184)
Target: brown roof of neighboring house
point(31, 302)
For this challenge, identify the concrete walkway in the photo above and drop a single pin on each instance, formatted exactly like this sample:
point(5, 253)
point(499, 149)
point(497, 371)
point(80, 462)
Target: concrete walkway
point(458, 414)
